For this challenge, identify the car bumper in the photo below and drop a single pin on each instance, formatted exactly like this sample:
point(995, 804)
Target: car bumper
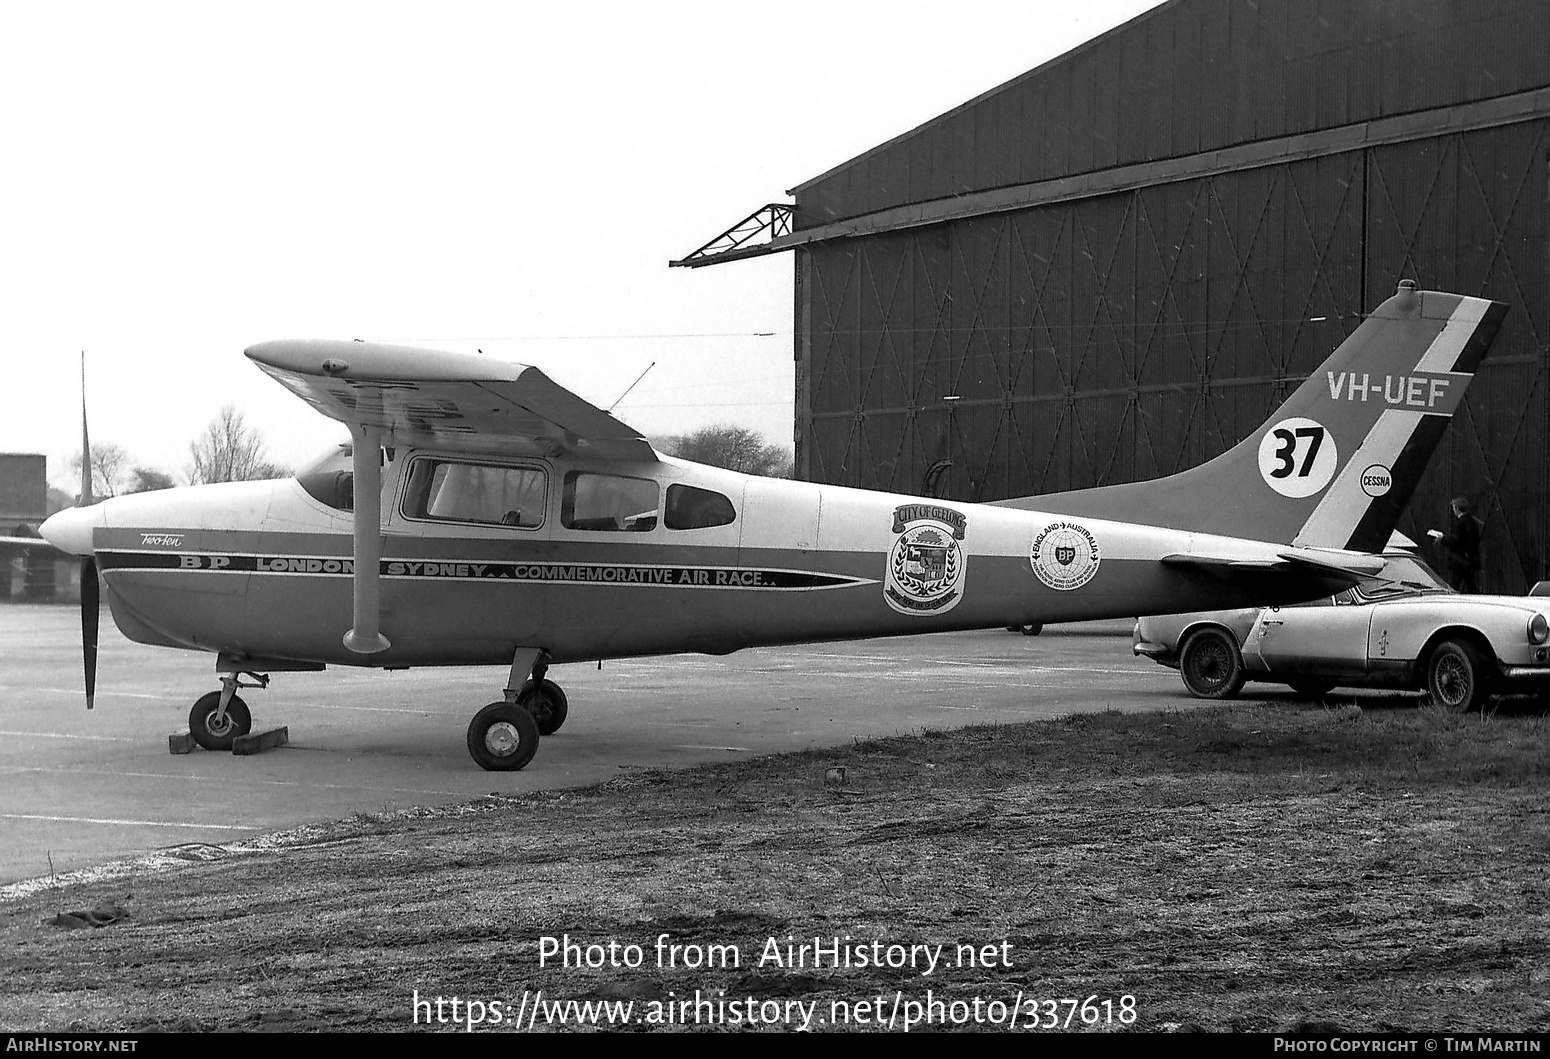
point(1157, 652)
point(1531, 674)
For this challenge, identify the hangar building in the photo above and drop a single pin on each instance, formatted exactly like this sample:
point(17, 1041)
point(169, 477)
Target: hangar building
point(1116, 265)
point(27, 571)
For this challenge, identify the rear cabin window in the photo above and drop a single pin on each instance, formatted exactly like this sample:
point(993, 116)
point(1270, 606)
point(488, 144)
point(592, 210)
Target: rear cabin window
point(692, 508)
point(609, 503)
point(447, 491)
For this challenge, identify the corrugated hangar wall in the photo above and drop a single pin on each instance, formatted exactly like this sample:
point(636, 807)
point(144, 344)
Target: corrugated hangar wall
point(1112, 324)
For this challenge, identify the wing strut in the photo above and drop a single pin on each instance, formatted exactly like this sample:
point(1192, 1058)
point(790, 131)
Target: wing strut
point(365, 638)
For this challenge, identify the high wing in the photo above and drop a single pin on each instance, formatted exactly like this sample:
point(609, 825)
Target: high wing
point(420, 397)
point(398, 395)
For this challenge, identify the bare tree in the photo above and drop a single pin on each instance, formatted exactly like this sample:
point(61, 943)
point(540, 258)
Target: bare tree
point(231, 451)
point(149, 479)
point(109, 469)
point(733, 447)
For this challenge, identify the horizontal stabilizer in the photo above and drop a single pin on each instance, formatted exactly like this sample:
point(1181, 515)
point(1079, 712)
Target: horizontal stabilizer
point(1342, 568)
point(1354, 565)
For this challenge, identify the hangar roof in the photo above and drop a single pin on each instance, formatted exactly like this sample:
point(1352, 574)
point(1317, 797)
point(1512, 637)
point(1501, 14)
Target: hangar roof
point(1193, 76)
point(1187, 88)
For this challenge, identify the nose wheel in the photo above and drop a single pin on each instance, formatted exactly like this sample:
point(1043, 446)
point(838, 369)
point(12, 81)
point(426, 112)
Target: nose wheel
point(218, 718)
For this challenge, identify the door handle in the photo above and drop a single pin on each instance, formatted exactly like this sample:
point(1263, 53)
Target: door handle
point(1272, 621)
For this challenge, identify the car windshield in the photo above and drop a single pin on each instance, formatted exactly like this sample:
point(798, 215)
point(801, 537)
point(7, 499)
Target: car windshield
point(1403, 575)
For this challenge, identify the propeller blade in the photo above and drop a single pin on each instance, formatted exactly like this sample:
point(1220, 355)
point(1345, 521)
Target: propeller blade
point(91, 610)
point(86, 497)
point(89, 617)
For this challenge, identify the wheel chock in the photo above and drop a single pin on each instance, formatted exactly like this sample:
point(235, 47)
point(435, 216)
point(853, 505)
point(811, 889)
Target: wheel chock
point(256, 742)
point(181, 743)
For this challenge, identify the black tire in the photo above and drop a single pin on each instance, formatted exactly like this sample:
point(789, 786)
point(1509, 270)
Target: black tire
point(547, 703)
point(1211, 666)
point(1311, 687)
point(503, 737)
point(1456, 676)
point(1033, 630)
point(212, 736)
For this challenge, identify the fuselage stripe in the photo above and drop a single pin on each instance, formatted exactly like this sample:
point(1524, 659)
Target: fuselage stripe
point(537, 571)
point(1443, 353)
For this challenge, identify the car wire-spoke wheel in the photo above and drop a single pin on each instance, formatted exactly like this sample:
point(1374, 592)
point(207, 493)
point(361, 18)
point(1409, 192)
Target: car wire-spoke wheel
point(1455, 676)
point(1211, 666)
point(1453, 681)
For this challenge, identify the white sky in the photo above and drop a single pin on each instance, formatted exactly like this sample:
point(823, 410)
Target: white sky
point(183, 180)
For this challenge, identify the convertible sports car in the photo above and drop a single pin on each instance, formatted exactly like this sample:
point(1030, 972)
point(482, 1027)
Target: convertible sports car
point(1404, 628)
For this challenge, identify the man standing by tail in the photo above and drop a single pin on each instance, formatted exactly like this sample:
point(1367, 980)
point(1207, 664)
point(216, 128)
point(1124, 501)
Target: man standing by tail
point(1461, 547)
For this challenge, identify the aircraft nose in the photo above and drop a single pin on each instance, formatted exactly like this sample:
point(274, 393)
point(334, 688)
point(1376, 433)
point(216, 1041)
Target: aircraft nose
point(70, 530)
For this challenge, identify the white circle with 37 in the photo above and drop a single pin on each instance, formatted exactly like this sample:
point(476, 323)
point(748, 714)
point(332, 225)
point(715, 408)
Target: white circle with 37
point(1297, 457)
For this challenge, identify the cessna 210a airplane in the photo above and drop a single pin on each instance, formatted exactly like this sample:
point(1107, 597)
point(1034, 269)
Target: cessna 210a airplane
point(488, 516)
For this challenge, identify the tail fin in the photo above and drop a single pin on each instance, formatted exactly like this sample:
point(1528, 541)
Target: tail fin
point(1336, 464)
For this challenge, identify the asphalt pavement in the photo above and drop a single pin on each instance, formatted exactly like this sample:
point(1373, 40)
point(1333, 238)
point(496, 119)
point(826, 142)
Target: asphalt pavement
point(80, 788)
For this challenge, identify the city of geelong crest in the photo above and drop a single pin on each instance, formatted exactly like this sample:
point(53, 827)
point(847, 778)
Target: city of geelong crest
point(926, 564)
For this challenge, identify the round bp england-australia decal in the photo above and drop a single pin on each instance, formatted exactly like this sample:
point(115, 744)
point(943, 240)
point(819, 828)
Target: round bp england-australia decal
point(1064, 556)
point(927, 563)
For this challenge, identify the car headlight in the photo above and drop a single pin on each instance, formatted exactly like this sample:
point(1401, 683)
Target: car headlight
point(1538, 629)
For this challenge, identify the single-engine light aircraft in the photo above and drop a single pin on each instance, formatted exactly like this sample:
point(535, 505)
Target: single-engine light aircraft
point(485, 515)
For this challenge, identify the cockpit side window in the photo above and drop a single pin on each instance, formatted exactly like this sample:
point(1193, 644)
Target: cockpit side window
point(689, 507)
point(452, 491)
point(610, 503)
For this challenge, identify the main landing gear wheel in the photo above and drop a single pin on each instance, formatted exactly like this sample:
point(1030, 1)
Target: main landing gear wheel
point(503, 737)
point(547, 703)
point(1211, 666)
point(1456, 676)
point(214, 732)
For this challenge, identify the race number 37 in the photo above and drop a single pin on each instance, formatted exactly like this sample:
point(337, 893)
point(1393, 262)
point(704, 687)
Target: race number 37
point(1297, 457)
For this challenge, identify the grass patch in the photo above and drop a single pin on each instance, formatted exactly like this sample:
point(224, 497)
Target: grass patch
point(1248, 867)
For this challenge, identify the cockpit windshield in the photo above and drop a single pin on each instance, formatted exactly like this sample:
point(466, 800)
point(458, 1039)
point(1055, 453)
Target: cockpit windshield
point(330, 479)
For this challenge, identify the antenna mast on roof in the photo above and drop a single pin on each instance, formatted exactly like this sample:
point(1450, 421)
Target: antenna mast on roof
point(632, 386)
